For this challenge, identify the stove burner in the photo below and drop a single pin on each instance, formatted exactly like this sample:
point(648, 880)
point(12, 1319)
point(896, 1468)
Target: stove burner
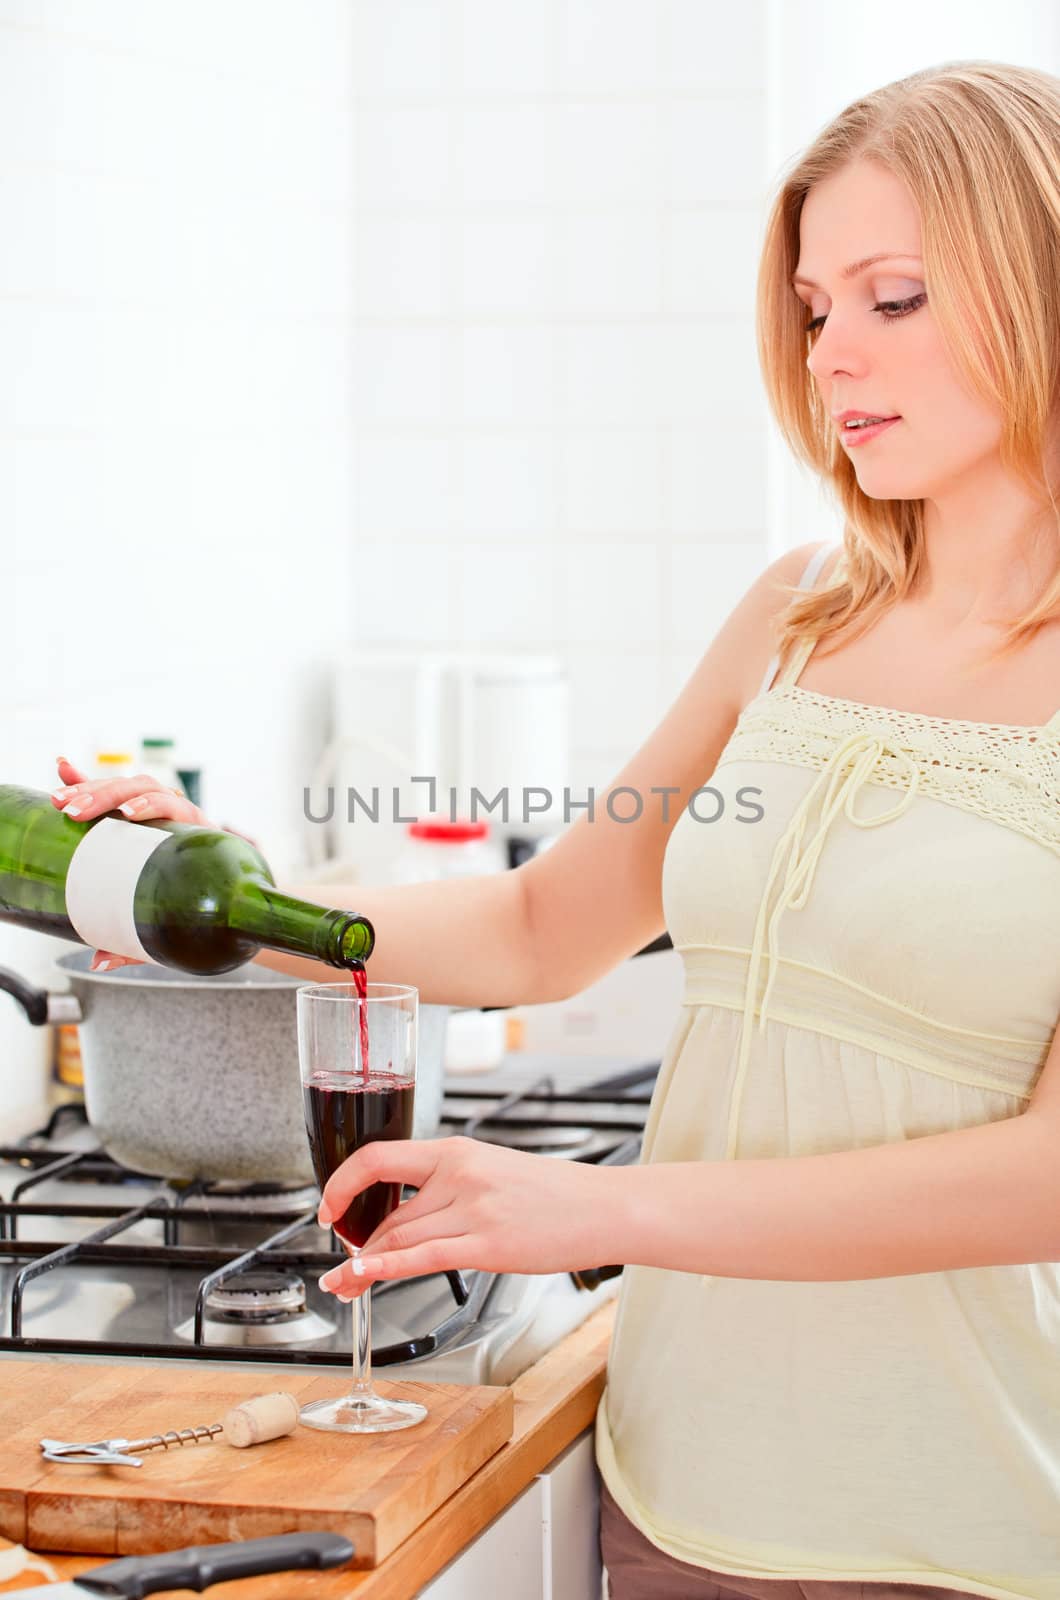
point(544, 1140)
point(264, 1295)
point(262, 1306)
point(256, 1199)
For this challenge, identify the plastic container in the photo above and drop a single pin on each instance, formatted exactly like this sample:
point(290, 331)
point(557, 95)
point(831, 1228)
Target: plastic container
point(435, 847)
point(113, 764)
point(68, 1075)
point(190, 780)
point(475, 1041)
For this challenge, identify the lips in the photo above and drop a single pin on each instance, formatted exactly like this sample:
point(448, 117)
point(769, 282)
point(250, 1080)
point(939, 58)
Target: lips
point(853, 437)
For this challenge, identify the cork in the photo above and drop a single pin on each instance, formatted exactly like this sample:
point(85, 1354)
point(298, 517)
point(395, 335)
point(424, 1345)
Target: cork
point(265, 1416)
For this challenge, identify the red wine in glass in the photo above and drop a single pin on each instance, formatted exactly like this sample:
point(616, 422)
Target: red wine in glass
point(341, 1114)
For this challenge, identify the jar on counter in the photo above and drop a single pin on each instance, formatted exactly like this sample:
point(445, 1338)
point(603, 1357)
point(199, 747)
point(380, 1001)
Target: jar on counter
point(113, 764)
point(68, 1074)
point(435, 847)
point(190, 780)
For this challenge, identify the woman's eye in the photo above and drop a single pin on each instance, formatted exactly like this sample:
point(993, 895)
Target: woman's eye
point(888, 310)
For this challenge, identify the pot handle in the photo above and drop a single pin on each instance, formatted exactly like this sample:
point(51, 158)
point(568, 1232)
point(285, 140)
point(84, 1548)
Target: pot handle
point(40, 1005)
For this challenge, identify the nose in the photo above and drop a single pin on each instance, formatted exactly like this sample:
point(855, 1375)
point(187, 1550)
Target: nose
point(835, 352)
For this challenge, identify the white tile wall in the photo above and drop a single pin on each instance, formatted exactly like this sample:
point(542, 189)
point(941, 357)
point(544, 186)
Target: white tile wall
point(560, 421)
point(176, 408)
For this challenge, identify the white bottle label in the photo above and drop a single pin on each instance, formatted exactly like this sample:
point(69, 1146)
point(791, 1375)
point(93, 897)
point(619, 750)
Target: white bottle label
point(101, 884)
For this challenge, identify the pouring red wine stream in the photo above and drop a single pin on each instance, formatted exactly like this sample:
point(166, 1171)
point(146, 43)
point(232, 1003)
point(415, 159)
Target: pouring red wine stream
point(360, 983)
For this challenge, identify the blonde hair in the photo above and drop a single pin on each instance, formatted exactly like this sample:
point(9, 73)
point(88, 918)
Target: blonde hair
point(977, 143)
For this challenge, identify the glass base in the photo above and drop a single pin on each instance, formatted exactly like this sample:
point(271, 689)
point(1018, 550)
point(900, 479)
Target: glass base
point(363, 1413)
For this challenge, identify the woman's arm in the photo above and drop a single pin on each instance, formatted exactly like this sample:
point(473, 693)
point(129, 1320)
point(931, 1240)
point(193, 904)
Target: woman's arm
point(595, 897)
point(973, 1197)
point(551, 927)
point(983, 1196)
point(461, 941)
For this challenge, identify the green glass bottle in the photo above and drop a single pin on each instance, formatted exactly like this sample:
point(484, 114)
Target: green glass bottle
point(198, 899)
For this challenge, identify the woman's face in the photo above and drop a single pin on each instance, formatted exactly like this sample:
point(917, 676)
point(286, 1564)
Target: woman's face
point(863, 362)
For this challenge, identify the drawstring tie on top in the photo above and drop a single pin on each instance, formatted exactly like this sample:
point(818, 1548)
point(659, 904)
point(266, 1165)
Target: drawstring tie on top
point(864, 751)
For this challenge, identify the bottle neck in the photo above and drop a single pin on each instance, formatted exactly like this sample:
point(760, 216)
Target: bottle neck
point(285, 923)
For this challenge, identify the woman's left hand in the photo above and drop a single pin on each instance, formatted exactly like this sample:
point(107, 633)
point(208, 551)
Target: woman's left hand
point(478, 1205)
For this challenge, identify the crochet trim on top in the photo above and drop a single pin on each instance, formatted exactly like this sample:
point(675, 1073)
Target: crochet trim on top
point(1005, 773)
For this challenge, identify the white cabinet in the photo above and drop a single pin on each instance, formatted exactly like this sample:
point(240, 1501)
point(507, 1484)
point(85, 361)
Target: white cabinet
point(544, 1546)
point(571, 1511)
point(506, 1558)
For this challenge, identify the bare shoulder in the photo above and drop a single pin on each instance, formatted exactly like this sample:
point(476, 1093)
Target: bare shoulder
point(595, 897)
point(746, 638)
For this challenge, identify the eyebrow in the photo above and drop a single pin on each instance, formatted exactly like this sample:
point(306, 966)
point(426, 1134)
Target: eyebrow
point(859, 266)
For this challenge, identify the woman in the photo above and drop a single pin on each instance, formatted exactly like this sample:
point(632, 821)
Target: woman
point(836, 1359)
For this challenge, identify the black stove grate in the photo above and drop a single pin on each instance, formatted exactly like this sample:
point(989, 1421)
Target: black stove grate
point(44, 1158)
point(96, 1247)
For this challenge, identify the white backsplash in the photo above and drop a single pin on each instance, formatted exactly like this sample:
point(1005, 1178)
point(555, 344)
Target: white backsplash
point(560, 424)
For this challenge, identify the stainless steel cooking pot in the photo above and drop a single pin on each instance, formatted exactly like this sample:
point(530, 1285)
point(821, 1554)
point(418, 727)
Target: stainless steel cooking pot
point(189, 1077)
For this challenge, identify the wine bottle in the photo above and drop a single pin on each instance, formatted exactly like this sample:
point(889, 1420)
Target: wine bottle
point(166, 892)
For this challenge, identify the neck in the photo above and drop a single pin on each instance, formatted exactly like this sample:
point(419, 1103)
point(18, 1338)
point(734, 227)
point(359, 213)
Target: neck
point(989, 552)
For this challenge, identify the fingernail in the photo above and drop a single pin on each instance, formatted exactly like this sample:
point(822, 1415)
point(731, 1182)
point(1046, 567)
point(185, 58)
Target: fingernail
point(323, 1216)
point(367, 1264)
point(74, 811)
point(347, 1299)
point(332, 1279)
point(357, 1263)
point(129, 807)
point(104, 966)
point(61, 794)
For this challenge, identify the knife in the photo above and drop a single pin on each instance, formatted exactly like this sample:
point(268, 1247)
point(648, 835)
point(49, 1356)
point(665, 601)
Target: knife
point(197, 1567)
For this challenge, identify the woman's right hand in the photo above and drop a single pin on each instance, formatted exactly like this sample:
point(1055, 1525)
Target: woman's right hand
point(139, 799)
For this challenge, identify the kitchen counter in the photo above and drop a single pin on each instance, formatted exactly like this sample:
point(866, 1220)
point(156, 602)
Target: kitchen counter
point(555, 1401)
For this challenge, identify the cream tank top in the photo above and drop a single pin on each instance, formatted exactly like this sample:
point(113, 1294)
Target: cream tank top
point(877, 958)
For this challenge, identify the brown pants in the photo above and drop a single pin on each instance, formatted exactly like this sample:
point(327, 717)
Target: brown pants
point(639, 1570)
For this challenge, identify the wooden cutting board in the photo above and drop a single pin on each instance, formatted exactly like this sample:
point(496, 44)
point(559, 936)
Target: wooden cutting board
point(374, 1488)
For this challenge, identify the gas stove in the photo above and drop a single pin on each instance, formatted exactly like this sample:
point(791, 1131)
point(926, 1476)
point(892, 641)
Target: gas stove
point(96, 1260)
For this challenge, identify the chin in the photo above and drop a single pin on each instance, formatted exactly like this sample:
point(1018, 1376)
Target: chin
point(890, 486)
point(894, 480)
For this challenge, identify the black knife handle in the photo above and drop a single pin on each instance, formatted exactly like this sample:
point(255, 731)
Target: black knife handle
point(198, 1566)
point(593, 1277)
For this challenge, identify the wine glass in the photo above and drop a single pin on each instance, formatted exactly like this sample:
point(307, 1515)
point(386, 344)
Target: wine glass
point(357, 1056)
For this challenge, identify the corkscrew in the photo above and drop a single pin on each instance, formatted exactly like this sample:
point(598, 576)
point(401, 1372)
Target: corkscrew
point(265, 1416)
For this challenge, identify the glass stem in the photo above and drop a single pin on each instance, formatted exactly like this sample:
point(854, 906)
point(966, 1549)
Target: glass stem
point(362, 1340)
